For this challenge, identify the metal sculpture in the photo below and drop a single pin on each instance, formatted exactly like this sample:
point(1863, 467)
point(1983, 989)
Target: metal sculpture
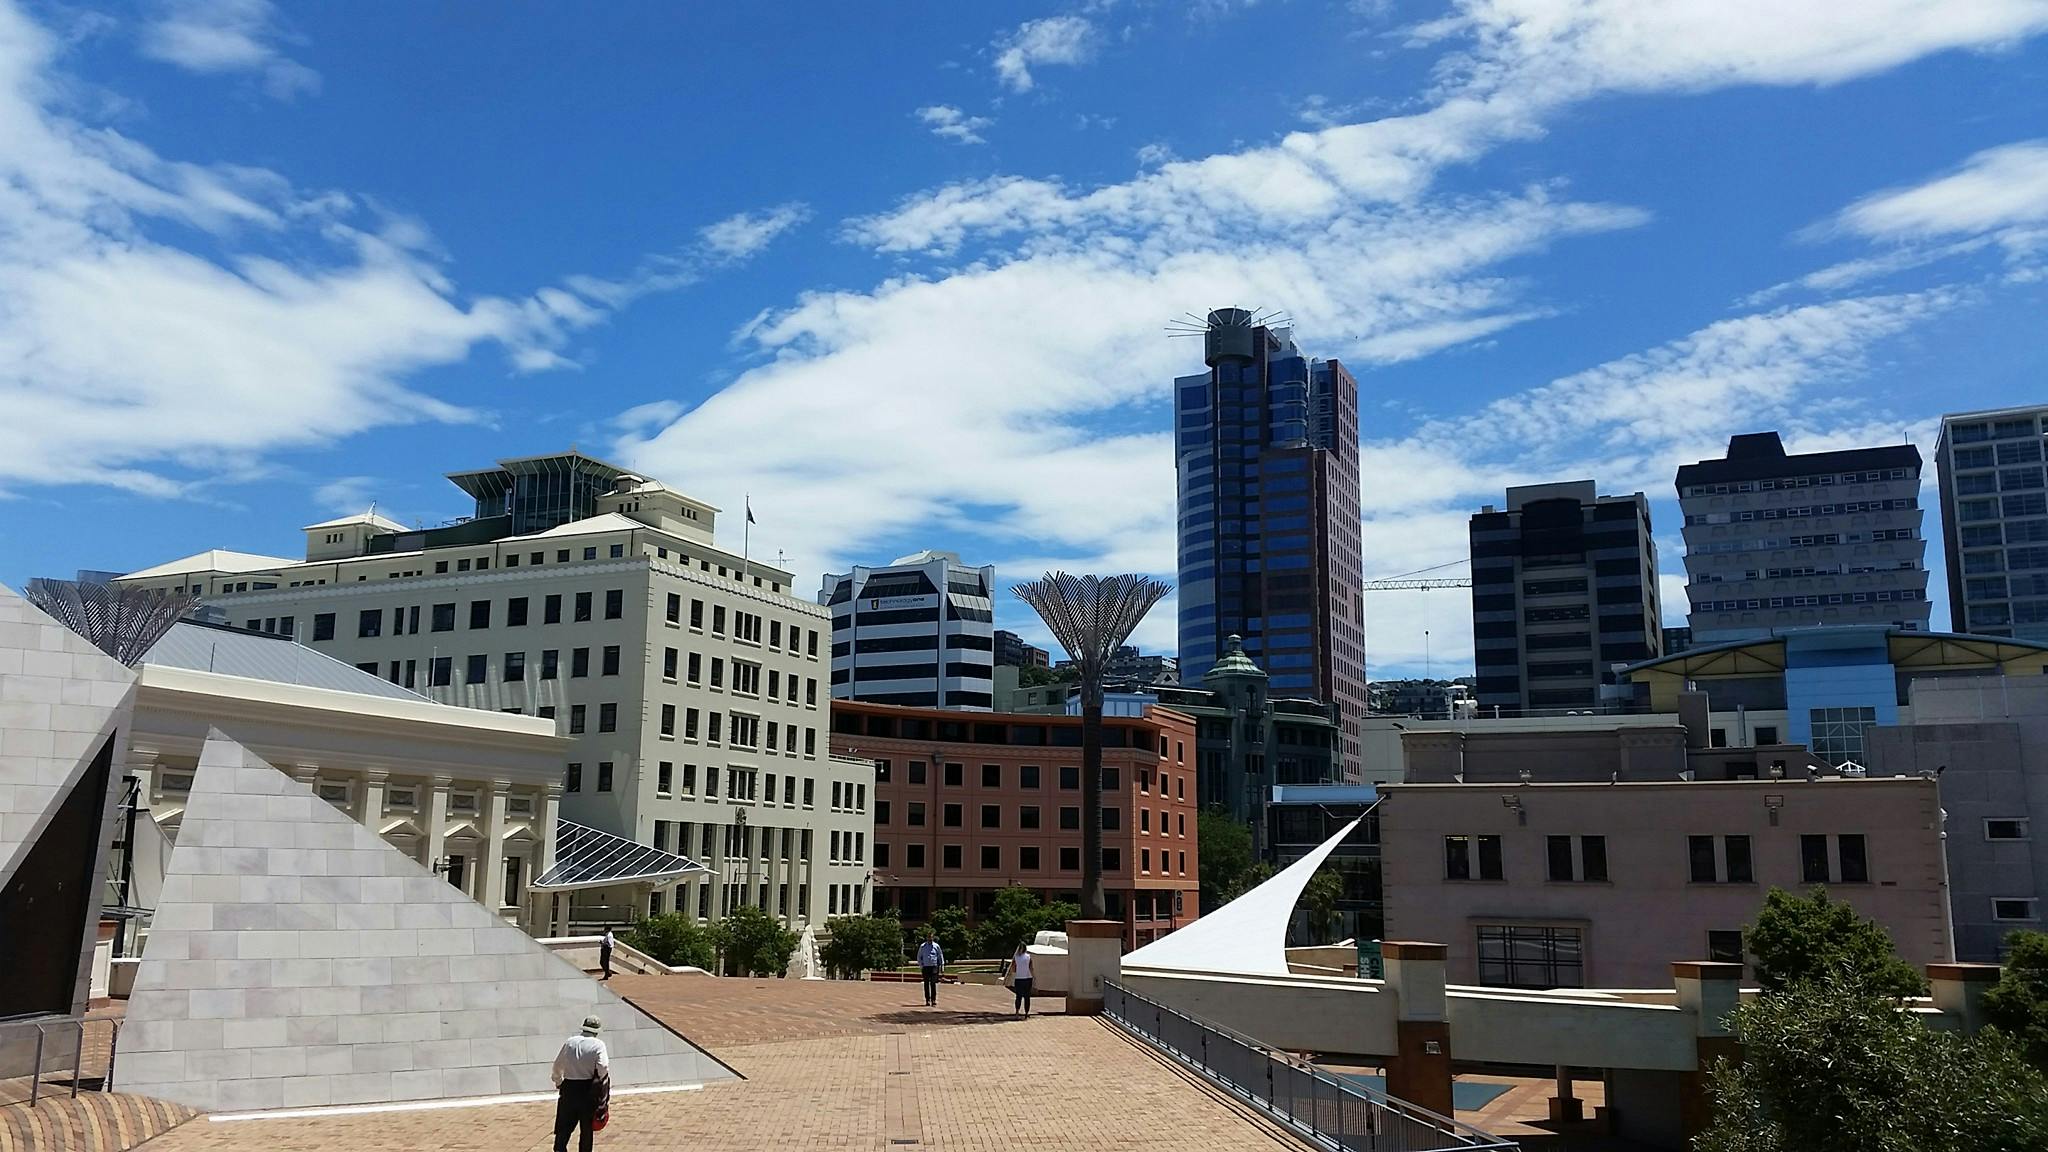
point(122, 622)
point(1091, 616)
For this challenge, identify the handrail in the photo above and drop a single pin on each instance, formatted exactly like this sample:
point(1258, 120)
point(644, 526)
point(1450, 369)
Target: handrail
point(1333, 1112)
point(42, 1024)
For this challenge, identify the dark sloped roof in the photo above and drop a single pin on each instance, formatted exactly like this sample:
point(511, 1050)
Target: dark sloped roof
point(1761, 456)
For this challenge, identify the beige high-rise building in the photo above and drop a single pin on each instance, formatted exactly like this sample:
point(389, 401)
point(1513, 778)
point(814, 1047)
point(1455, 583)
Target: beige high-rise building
point(693, 685)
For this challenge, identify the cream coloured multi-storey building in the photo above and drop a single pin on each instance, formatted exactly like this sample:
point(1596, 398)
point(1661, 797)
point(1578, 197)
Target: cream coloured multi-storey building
point(692, 685)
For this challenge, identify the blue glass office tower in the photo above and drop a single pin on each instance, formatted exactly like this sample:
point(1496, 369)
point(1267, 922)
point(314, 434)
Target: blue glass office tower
point(1266, 451)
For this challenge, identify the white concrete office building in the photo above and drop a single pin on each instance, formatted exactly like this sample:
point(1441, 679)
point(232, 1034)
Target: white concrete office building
point(690, 682)
point(918, 632)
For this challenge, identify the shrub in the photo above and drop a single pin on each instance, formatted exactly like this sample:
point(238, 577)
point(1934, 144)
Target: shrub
point(754, 943)
point(861, 943)
point(674, 939)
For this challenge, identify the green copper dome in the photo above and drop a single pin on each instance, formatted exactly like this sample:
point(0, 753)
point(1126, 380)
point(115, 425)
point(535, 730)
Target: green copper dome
point(1234, 662)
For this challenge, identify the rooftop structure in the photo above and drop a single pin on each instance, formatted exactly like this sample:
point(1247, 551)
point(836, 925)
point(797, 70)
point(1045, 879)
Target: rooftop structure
point(1994, 521)
point(918, 631)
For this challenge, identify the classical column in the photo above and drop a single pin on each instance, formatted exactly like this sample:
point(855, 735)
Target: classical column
point(1420, 1069)
point(374, 782)
point(437, 821)
point(493, 886)
point(1707, 990)
point(551, 817)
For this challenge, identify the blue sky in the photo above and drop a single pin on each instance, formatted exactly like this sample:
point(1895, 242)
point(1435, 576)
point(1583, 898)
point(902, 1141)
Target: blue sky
point(903, 274)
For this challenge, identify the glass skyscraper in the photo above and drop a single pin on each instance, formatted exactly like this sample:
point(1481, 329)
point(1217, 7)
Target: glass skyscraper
point(1266, 451)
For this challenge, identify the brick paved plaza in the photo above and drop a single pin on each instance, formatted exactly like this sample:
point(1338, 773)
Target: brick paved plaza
point(833, 1065)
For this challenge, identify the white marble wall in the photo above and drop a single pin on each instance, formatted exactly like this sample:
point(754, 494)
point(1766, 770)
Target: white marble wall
point(297, 960)
point(61, 700)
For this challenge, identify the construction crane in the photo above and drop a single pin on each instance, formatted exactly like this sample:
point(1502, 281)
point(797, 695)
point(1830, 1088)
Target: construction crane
point(1417, 581)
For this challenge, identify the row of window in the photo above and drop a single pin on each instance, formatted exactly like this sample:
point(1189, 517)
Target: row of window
point(1901, 503)
point(1868, 476)
point(1029, 858)
point(954, 775)
point(1908, 595)
point(740, 784)
point(1711, 859)
point(747, 677)
point(737, 730)
point(1028, 817)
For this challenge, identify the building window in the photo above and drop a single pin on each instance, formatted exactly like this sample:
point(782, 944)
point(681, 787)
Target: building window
point(2014, 908)
point(479, 613)
point(1838, 733)
point(1070, 859)
point(551, 610)
point(610, 663)
point(1112, 819)
point(604, 773)
point(697, 615)
point(515, 667)
point(915, 813)
point(1584, 861)
point(1027, 817)
point(1112, 860)
point(1070, 819)
point(579, 663)
point(1813, 859)
point(1521, 956)
point(369, 622)
point(881, 854)
point(1070, 779)
point(573, 781)
point(576, 714)
point(991, 775)
point(1724, 945)
point(443, 618)
point(1027, 776)
point(991, 858)
point(582, 607)
point(323, 626)
point(1766, 734)
point(1855, 866)
point(718, 619)
point(674, 611)
point(913, 856)
point(668, 719)
point(991, 816)
point(1472, 858)
point(1027, 858)
point(953, 815)
point(950, 856)
point(1733, 863)
point(956, 775)
point(614, 602)
point(668, 664)
point(440, 671)
point(2017, 828)
point(664, 780)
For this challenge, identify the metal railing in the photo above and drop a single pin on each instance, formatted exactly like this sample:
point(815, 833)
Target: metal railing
point(42, 1026)
point(1327, 1110)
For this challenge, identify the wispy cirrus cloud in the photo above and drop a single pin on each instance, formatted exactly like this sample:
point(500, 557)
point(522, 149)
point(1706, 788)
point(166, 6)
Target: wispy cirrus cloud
point(1063, 40)
point(745, 234)
point(950, 123)
point(227, 36)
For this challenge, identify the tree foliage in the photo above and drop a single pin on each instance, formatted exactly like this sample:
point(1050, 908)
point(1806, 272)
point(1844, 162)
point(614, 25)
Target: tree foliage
point(675, 940)
point(1319, 899)
point(861, 943)
point(753, 942)
point(1799, 939)
point(1017, 918)
point(1229, 869)
point(1830, 1065)
point(950, 926)
point(1034, 676)
point(2018, 1004)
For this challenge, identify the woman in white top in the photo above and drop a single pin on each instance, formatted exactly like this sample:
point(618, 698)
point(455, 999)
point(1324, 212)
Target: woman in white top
point(1020, 979)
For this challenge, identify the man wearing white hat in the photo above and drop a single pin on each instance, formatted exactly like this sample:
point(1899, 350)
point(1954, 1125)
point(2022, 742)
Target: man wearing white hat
point(582, 1076)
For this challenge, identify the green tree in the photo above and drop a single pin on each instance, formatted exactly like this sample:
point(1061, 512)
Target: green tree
point(753, 942)
point(1229, 869)
point(955, 938)
point(1033, 676)
point(674, 939)
point(1830, 1065)
point(1017, 918)
point(2018, 1004)
point(1319, 899)
point(862, 943)
point(1797, 939)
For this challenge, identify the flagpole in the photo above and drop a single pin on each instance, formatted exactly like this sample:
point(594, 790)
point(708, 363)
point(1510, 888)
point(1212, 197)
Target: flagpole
point(747, 538)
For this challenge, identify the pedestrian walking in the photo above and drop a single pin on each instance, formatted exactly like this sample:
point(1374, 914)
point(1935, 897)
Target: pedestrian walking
point(604, 954)
point(582, 1075)
point(1020, 979)
point(931, 961)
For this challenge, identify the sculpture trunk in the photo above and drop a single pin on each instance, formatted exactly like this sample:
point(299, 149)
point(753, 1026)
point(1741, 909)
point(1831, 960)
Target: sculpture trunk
point(1093, 905)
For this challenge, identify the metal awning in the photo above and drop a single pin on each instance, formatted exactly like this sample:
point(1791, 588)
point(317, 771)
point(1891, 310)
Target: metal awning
point(588, 858)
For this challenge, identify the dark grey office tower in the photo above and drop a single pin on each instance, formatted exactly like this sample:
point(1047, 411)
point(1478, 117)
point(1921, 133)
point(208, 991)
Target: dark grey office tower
point(1564, 589)
point(1266, 449)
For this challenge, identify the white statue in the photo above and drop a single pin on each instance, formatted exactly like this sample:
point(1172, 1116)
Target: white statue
point(807, 955)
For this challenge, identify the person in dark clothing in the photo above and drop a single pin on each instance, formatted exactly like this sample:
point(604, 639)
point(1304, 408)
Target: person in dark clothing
point(931, 962)
point(1020, 979)
point(582, 1076)
point(604, 954)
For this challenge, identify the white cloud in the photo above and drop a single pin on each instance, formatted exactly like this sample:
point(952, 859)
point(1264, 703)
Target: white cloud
point(346, 495)
point(2000, 193)
point(219, 36)
point(129, 361)
point(1054, 40)
point(742, 235)
point(950, 123)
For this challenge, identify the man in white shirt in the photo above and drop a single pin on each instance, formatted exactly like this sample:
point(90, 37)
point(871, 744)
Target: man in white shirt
point(583, 1077)
point(931, 961)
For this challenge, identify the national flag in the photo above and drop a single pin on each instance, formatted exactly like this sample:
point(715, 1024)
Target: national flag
point(750, 511)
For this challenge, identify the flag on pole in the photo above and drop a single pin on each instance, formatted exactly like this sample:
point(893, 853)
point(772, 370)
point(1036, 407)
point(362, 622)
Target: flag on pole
point(750, 511)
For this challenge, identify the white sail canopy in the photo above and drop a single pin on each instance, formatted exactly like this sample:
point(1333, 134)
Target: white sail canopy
point(1247, 936)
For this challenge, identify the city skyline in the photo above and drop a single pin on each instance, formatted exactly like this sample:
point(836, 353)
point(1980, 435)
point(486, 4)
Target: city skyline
point(242, 310)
